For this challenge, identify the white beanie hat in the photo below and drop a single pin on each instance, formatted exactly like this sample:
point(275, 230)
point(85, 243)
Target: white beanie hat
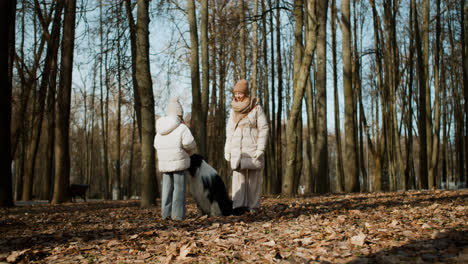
point(175, 108)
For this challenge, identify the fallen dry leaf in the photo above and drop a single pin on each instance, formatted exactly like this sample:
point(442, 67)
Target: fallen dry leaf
point(352, 228)
point(358, 240)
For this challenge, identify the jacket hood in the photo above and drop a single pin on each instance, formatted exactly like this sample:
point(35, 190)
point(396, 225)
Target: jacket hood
point(167, 124)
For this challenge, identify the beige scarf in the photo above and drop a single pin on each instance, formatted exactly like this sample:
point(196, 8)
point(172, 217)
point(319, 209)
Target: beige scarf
point(243, 108)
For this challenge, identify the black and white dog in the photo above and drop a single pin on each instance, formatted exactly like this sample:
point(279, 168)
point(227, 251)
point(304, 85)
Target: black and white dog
point(208, 189)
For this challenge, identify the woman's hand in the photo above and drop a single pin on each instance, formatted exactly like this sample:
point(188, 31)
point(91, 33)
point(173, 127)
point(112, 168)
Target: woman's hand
point(258, 154)
point(227, 156)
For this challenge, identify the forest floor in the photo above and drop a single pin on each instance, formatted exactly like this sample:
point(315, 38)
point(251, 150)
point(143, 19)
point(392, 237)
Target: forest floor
point(402, 227)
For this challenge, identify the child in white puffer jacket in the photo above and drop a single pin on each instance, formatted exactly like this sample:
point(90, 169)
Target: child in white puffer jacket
point(174, 144)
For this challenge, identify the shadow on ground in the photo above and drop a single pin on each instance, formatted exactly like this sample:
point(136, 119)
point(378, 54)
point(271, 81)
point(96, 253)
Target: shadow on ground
point(44, 227)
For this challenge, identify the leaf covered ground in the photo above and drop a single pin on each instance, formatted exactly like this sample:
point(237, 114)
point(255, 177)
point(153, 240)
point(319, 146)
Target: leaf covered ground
point(410, 227)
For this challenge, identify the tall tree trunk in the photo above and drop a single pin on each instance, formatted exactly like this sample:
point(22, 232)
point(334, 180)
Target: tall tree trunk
point(409, 178)
point(149, 187)
point(52, 49)
point(422, 102)
point(62, 153)
point(271, 180)
point(91, 143)
point(8, 29)
point(276, 162)
point(254, 51)
point(310, 180)
point(299, 87)
point(339, 154)
point(321, 147)
point(243, 74)
point(136, 91)
point(116, 183)
point(445, 144)
point(464, 50)
point(298, 51)
point(130, 182)
point(196, 120)
point(425, 43)
point(213, 140)
point(278, 139)
point(205, 77)
point(351, 158)
point(434, 158)
point(49, 171)
point(104, 127)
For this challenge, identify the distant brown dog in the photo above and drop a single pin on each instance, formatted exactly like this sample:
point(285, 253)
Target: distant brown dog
point(78, 190)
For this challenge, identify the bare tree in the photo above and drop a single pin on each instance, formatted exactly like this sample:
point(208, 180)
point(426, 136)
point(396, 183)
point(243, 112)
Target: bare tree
point(299, 88)
point(427, 90)
point(464, 50)
point(433, 159)
point(351, 157)
point(422, 102)
point(38, 115)
point(8, 29)
point(50, 115)
point(242, 46)
point(321, 147)
point(149, 187)
point(254, 52)
point(339, 155)
point(205, 77)
point(197, 123)
point(116, 182)
point(278, 138)
point(136, 92)
point(62, 155)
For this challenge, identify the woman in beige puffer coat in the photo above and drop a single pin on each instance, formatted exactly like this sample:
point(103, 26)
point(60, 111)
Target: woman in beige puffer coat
point(246, 138)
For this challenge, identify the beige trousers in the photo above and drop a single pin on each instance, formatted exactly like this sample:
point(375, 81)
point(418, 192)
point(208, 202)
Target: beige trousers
point(246, 188)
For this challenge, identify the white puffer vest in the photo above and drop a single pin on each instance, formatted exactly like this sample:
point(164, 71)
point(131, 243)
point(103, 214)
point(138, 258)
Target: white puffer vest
point(174, 144)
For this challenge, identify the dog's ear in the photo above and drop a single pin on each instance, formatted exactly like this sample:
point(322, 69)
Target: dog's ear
point(195, 162)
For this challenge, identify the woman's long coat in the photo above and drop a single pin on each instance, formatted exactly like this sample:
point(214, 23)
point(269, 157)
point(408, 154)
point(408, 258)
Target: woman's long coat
point(245, 139)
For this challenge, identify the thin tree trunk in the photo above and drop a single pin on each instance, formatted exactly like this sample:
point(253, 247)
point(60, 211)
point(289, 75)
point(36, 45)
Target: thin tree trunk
point(423, 178)
point(254, 51)
point(116, 163)
point(299, 88)
point(427, 89)
point(91, 143)
point(350, 161)
point(464, 50)
point(136, 91)
point(196, 120)
point(278, 139)
point(339, 154)
point(8, 29)
point(321, 147)
point(107, 191)
point(272, 182)
point(62, 155)
point(149, 188)
point(49, 171)
point(434, 158)
point(33, 147)
point(243, 74)
point(309, 181)
point(276, 162)
point(205, 78)
point(130, 165)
